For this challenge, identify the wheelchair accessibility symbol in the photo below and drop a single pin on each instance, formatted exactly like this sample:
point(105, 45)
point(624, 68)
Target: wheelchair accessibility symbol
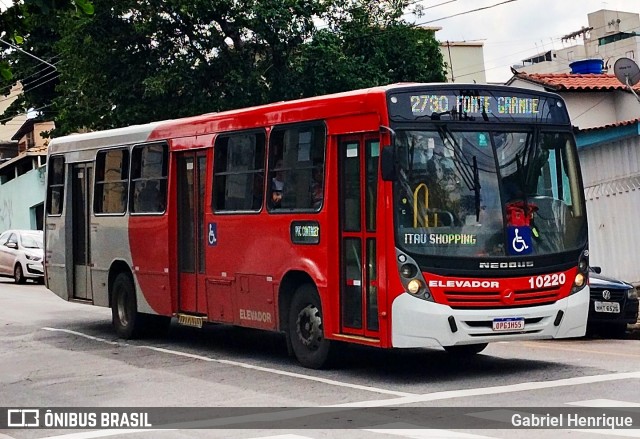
point(212, 236)
point(520, 241)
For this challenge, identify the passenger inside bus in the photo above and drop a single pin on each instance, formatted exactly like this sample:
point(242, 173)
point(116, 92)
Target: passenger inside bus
point(316, 189)
point(149, 198)
point(277, 185)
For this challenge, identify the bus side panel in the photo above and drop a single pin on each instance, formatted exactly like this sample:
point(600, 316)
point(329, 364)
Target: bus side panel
point(56, 258)
point(259, 244)
point(109, 243)
point(149, 244)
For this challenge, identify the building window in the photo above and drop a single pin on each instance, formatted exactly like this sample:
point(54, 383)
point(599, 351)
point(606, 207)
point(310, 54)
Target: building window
point(149, 165)
point(296, 168)
point(30, 138)
point(55, 185)
point(238, 172)
point(112, 178)
point(630, 54)
point(570, 56)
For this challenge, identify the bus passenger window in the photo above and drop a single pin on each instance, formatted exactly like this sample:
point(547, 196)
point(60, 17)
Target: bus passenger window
point(55, 185)
point(149, 166)
point(238, 182)
point(112, 179)
point(296, 168)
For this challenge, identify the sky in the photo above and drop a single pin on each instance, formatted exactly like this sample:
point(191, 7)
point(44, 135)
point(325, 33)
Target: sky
point(516, 30)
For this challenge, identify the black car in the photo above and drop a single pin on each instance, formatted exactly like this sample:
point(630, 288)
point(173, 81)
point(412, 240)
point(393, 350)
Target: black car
point(613, 305)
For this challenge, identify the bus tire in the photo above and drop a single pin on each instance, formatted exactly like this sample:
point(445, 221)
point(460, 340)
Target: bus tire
point(305, 328)
point(124, 309)
point(466, 350)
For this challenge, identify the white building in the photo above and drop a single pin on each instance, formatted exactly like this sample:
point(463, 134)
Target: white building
point(609, 36)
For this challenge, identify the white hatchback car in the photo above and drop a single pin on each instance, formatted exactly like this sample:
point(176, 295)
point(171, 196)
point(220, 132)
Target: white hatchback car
point(21, 255)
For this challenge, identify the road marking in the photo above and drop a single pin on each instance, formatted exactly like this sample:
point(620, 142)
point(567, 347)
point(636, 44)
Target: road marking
point(101, 433)
point(483, 391)
point(283, 436)
point(239, 364)
point(631, 432)
point(584, 351)
point(604, 403)
point(411, 431)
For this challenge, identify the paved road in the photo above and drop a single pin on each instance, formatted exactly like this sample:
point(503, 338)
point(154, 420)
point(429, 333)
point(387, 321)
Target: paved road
point(59, 354)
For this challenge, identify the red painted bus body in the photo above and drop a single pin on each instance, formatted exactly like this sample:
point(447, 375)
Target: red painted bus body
point(371, 261)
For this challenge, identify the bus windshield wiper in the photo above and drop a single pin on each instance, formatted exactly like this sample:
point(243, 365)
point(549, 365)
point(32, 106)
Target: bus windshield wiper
point(468, 171)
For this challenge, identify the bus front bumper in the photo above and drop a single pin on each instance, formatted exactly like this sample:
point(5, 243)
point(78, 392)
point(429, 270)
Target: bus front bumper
point(419, 323)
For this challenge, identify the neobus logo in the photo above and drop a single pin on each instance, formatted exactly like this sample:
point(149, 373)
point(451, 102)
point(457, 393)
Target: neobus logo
point(517, 264)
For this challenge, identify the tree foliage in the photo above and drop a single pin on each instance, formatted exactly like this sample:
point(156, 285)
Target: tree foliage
point(125, 62)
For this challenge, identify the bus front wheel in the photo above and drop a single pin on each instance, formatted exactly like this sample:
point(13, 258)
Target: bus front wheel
point(124, 308)
point(466, 350)
point(305, 328)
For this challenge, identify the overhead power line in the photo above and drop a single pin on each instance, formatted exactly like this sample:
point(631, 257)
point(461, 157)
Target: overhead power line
point(13, 46)
point(466, 12)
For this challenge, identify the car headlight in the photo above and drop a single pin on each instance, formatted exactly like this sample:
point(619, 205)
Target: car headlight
point(632, 294)
point(33, 258)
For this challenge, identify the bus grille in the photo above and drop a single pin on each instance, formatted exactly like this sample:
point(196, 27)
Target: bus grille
point(491, 299)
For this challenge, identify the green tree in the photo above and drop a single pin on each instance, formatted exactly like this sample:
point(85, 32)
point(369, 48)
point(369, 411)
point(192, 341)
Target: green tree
point(133, 62)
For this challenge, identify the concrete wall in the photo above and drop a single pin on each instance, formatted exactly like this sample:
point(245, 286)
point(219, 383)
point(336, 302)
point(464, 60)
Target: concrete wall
point(18, 199)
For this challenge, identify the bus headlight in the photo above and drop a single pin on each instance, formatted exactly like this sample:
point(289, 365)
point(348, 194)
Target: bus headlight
point(579, 280)
point(414, 286)
point(408, 270)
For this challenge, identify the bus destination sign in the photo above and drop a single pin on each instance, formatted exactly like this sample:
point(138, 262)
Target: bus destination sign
point(477, 105)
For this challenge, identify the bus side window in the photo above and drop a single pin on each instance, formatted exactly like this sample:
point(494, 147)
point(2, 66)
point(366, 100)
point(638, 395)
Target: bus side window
point(296, 167)
point(112, 180)
point(238, 172)
point(149, 165)
point(55, 185)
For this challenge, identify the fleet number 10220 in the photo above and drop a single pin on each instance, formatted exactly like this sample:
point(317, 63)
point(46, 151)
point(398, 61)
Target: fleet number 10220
point(548, 280)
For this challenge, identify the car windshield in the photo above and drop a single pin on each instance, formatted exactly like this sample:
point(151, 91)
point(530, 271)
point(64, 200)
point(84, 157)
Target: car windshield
point(487, 193)
point(32, 241)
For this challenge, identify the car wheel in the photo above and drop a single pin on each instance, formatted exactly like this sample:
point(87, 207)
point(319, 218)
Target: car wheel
point(305, 330)
point(465, 350)
point(126, 320)
point(18, 274)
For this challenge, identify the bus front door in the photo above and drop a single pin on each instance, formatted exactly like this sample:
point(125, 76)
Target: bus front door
point(81, 207)
point(358, 195)
point(192, 172)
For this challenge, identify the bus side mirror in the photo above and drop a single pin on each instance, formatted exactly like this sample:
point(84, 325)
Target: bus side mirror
point(388, 164)
point(596, 269)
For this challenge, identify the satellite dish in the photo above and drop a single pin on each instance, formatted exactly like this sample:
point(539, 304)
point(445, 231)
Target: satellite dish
point(627, 71)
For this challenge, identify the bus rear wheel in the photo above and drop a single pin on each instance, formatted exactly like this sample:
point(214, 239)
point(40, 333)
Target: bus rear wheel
point(124, 309)
point(466, 350)
point(305, 328)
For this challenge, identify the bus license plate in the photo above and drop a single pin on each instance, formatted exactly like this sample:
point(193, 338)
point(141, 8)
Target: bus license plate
point(508, 324)
point(611, 307)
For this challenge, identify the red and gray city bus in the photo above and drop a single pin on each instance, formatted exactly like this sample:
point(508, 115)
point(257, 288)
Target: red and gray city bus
point(409, 215)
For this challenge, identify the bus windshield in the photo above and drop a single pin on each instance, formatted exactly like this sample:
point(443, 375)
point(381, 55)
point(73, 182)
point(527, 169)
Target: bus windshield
point(470, 193)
